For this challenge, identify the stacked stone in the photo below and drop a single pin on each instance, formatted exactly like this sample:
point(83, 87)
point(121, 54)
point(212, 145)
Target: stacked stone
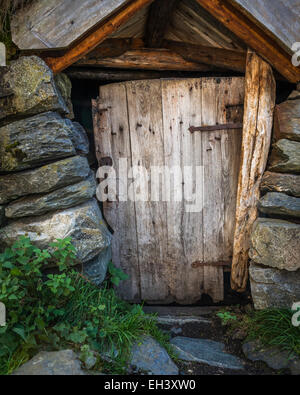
point(47, 189)
point(275, 249)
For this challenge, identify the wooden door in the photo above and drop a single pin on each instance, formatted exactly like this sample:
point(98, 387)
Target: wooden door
point(171, 253)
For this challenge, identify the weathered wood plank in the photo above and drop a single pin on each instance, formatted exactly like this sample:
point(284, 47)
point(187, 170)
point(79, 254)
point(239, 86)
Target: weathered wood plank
point(280, 18)
point(159, 16)
point(46, 24)
point(218, 57)
point(253, 36)
point(112, 139)
point(145, 59)
point(181, 106)
point(193, 24)
point(146, 136)
point(96, 36)
point(258, 120)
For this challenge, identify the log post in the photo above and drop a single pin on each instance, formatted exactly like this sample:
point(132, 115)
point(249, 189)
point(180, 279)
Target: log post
point(260, 91)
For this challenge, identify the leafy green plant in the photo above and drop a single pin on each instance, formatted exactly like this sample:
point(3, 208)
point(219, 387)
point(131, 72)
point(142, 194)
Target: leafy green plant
point(33, 301)
point(116, 275)
point(226, 316)
point(63, 309)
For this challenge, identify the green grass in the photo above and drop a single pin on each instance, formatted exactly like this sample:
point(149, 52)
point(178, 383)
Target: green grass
point(121, 323)
point(274, 327)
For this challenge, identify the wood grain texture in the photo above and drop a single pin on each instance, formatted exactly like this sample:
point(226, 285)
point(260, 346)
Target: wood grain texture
point(253, 36)
point(96, 36)
point(218, 57)
point(170, 236)
point(260, 94)
point(193, 24)
point(279, 18)
point(159, 17)
point(47, 24)
point(112, 140)
point(145, 59)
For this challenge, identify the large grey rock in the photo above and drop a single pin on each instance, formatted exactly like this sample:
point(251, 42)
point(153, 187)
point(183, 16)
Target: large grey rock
point(57, 363)
point(33, 87)
point(43, 179)
point(64, 85)
point(275, 203)
point(276, 243)
point(79, 137)
point(273, 288)
point(84, 224)
point(285, 157)
point(149, 357)
point(205, 351)
point(287, 120)
point(275, 358)
point(34, 141)
point(60, 199)
point(96, 269)
point(278, 182)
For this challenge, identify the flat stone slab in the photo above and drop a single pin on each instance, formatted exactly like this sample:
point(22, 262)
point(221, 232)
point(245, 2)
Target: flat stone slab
point(273, 357)
point(285, 157)
point(275, 203)
point(281, 182)
point(149, 357)
point(276, 243)
point(58, 363)
point(205, 351)
point(273, 288)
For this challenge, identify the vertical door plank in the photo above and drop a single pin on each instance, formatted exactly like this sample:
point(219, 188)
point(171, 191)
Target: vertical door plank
point(147, 144)
point(213, 211)
point(114, 142)
point(181, 108)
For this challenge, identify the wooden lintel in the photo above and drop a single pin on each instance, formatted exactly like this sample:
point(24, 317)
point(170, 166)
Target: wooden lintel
point(95, 37)
point(159, 16)
point(218, 57)
point(243, 27)
point(260, 93)
point(146, 59)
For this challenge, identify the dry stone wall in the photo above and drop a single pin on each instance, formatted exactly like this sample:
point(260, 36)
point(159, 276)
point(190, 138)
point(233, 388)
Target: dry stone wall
point(47, 189)
point(275, 240)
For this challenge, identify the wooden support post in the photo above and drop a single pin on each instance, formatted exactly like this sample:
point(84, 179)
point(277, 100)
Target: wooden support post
point(260, 91)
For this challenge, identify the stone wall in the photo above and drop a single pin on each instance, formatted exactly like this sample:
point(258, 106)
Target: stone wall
point(47, 189)
point(275, 241)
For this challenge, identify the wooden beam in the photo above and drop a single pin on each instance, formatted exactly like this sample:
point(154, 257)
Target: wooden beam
point(159, 17)
point(145, 59)
point(98, 35)
point(94, 73)
point(218, 57)
point(253, 36)
point(260, 93)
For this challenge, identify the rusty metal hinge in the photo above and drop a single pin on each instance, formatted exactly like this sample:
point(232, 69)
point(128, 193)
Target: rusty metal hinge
point(209, 128)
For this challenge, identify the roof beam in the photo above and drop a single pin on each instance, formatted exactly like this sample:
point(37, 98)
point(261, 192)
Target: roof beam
point(217, 57)
point(146, 59)
point(95, 37)
point(158, 20)
point(227, 13)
